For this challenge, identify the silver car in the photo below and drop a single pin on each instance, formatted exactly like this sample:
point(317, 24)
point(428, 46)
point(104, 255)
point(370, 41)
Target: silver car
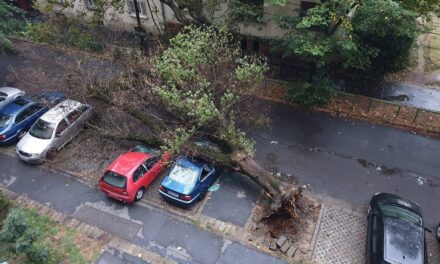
point(53, 130)
point(9, 94)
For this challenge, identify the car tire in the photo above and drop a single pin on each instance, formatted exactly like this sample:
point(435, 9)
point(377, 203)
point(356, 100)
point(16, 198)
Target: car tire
point(139, 194)
point(202, 195)
point(50, 154)
point(437, 233)
point(21, 134)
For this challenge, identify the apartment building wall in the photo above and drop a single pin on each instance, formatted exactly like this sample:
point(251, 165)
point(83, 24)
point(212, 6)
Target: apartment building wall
point(126, 19)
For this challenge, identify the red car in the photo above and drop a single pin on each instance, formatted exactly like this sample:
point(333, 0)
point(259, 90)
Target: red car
point(130, 174)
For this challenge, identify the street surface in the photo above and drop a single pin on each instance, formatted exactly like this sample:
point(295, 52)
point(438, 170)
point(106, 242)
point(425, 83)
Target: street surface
point(351, 160)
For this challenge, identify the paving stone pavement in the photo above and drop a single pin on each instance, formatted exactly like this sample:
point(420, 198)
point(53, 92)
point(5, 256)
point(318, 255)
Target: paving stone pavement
point(341, 238)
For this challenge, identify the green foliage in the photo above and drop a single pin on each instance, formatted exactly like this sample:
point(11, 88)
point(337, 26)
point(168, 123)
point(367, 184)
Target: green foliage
point(422, 7)
point(71, 248)
point(12, 21)
point(245, 13)
point(4, 203)
point(41, 32)
point(387, 33)
point(204, 78)
point(24, 233)
point(317, 92)
point(66, 31)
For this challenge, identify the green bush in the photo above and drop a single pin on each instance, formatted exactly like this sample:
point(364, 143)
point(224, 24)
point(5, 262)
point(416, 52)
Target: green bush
point(317, 92)
point(24, 233)
point(41, 32)
point(64, 31)
point(4, 203)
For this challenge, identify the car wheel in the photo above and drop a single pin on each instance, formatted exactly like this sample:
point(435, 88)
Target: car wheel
point(50, 155)
point(202, 195)
point(437, 233)
point(139, 194)
point(21, 134)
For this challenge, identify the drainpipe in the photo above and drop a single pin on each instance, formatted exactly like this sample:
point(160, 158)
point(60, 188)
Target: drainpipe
point(139, 29)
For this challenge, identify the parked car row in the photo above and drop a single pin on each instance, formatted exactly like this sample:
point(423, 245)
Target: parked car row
point(127, 178)
point(41, 124)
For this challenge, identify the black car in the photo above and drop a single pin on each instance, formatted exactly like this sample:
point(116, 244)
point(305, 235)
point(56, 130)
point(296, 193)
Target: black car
point(396, 233)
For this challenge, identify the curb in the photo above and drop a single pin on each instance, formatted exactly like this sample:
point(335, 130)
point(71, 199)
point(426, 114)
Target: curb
point(88, 230)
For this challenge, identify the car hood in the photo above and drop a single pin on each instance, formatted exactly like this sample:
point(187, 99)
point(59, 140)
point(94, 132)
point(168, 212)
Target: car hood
point(33, 145)
point(175, 186)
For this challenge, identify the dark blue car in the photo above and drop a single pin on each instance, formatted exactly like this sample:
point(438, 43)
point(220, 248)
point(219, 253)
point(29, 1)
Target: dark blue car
point(18, 116)
point(188, 181)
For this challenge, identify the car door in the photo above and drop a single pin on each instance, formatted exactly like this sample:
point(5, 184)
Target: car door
point(153, 168)
point(373, 230)
point(139, 178)
point(61, 133)
point(20, 120)
point(206, 177)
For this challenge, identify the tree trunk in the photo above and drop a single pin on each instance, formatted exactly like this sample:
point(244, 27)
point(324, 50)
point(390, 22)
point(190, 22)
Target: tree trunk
point(247, 165)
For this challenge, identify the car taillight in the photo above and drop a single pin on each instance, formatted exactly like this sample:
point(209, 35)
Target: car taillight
point(186, 198)
point(161, 188)
point(2, 137)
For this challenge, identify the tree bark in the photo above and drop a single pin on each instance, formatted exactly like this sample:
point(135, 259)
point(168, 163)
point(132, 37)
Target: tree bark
point(245, 164)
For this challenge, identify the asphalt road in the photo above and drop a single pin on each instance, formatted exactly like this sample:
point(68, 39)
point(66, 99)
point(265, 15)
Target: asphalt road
point(351, 160)
point(151, 228)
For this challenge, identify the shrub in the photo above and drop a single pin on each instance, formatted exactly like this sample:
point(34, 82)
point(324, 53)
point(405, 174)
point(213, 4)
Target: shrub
point(317, 92)
point(24, 233)
point(41, 32)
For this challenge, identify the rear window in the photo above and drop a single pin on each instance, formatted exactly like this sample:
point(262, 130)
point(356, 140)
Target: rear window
point(115, 179)
point(4, 120)
point(3, 95)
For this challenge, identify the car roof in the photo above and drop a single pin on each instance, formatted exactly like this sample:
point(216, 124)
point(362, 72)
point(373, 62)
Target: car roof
point(61, 110)
point(10, 90)
point(128, 162)
point(16, 106)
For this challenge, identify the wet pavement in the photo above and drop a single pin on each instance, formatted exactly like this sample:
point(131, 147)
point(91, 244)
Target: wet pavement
point(236, 193)
point(412, 95)
point(114, 256)
point(146, 226)
point(351, 160)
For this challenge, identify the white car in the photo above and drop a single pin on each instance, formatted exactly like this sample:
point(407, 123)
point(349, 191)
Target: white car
point(53, 130)
point(9, 94)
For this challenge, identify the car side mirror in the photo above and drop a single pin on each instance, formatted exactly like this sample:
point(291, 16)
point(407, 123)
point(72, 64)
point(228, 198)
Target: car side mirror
point(428, 230)
point(57, 134)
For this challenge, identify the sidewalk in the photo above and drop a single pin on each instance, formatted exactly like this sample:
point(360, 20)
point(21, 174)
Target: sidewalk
point(147, 230)
point(341, 237)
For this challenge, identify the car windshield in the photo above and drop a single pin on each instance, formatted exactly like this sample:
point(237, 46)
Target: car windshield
point(391, 210)
point(42, 129)
point(4, 120)
point(184, 173)
point(115, 179)
point(403, 241)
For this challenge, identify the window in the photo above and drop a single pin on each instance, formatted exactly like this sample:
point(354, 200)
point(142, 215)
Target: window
point(139, 172)
point(258, 3)
point(149, 163)
point(141, 7)
point(255, 46)
point(61, 127)
point(115, 179)
point(35, 108)
point(4, 120)
point(205, 172)
point(91, 5)
point(73, 116)
point(23, 115)
point(42, 129)
point(305, 6)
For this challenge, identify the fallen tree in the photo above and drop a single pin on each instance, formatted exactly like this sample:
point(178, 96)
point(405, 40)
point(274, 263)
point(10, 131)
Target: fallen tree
point(200, 87)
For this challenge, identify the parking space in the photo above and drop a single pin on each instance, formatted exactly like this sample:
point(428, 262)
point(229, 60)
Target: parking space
point(237, 194)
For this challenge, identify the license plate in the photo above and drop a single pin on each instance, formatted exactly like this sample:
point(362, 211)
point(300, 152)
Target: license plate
point(173, 194)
